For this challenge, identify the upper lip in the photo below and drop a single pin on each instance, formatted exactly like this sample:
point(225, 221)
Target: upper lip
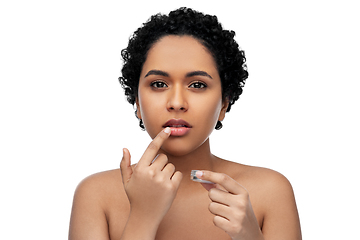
point(177, 123)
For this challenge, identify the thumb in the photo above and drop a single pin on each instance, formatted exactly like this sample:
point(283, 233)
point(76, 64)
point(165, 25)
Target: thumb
point(125, 166)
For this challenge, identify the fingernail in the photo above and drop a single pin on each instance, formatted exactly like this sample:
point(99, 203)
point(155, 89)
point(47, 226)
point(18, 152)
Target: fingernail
point(199, 174)
point(167, 130)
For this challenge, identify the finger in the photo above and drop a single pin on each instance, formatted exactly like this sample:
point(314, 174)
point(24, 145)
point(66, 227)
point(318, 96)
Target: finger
point(222, 223)
point(220, 196)
point(153, 148)
point(220, 210)
point(176, 178)
point(159, 162)
point(125, 166)
point(169, 170)
point(209, 186)
point(222, 179)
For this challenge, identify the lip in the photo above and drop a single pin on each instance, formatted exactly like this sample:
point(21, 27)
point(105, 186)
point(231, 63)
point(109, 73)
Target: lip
point(179, 127)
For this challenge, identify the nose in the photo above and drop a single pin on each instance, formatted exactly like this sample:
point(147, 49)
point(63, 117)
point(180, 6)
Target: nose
point(177, 99)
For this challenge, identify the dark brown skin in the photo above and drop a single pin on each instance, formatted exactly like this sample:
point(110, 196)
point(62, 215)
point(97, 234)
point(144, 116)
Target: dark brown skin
point(156, 198)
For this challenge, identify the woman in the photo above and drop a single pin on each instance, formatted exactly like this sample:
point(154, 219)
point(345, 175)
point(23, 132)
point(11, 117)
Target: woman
point(183, 72)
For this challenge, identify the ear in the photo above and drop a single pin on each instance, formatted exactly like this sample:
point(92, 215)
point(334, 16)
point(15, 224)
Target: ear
point(138, 112)
point(225, 105)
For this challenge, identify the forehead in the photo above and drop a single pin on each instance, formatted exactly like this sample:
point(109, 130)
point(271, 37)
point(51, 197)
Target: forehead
point(179, 53)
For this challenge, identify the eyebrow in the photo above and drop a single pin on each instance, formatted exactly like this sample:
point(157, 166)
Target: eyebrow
point(190, 74)
point(157, 72)
point(198, 73)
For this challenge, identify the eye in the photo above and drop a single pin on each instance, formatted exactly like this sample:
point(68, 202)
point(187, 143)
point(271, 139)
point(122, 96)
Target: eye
point(198, 85)
point(158, 84)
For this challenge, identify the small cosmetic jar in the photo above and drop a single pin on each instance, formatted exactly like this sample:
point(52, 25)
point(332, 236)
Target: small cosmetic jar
point(195, 179)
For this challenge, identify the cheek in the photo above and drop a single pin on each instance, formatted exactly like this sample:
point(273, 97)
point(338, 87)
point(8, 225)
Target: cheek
point(151, 109)
point(209, 108)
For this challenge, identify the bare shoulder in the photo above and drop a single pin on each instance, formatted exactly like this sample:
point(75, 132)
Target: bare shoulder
point(101, 178)
point(101, 187)
point(271, 185)
point(273, 199)
point(265, 180)
point(93, 199)
point(102, 181)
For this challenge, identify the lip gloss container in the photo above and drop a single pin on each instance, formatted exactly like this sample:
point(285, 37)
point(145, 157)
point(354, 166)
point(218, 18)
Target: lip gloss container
point(195, 179)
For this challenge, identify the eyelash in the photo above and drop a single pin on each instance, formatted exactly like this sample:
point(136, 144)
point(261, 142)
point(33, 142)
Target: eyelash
point(157, 82)
point(202, 85)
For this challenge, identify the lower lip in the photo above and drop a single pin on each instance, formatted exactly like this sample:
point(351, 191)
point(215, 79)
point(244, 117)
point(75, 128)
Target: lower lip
point(179, 131)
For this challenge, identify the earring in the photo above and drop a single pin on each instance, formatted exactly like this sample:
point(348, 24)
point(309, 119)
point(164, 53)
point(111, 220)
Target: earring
point(141, 124)
point(218, 125)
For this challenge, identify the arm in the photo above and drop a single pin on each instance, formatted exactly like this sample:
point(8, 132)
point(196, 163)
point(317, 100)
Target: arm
point(281, 220)
point(88, 220)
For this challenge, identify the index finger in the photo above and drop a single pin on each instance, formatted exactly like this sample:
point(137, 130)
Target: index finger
point(153, 148)
point(222, 179)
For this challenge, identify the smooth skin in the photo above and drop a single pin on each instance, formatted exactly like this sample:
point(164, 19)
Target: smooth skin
point(151, 188)
point(231, 206)
point(155, 199)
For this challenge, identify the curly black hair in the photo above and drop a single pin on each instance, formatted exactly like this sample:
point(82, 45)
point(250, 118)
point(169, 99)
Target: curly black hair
point(230, 60)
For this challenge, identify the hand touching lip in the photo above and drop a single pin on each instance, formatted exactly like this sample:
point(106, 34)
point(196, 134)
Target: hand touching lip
point(179, 127)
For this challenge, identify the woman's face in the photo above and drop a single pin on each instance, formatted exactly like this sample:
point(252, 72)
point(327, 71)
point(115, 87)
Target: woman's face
point(180, 82)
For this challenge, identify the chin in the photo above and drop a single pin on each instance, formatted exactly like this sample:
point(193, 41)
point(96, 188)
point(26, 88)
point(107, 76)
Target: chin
point(179, 147)
point(176, 153)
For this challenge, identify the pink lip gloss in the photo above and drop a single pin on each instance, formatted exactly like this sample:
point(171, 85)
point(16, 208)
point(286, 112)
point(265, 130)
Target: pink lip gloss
point(179, 131)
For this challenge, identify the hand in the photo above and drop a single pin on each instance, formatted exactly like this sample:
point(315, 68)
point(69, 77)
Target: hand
point(152, 185)
point(231, 206)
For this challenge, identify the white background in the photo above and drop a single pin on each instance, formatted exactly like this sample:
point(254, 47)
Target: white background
point(63, 114)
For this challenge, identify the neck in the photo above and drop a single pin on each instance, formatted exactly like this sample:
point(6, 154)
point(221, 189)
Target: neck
point(199, 159)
